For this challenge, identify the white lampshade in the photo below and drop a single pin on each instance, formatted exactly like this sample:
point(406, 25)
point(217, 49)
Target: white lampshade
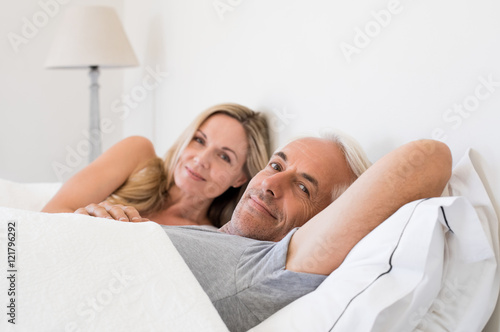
point(91, 36)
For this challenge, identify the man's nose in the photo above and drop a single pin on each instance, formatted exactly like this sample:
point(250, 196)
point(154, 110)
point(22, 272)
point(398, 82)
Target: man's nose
point(275, 184)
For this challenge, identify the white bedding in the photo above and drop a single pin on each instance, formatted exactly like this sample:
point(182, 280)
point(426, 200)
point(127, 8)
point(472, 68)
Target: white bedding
point(79, 273)
point(26, 196)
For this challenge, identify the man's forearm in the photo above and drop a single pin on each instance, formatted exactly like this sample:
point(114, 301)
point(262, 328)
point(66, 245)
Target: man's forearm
point(416, 170)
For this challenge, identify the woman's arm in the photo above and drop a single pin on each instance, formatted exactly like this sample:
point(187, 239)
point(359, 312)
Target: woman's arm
point(103, 176)
point(416, 170)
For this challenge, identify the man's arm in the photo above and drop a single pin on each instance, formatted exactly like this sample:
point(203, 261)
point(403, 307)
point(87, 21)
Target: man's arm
point(416, 170)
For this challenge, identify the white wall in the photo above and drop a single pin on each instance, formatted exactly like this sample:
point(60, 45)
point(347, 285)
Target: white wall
point(419, 73)
point(44, 113)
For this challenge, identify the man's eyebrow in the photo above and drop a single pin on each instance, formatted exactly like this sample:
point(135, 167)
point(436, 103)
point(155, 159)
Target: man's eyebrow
point(281, 154)
point(306, 176)
point(311, 179)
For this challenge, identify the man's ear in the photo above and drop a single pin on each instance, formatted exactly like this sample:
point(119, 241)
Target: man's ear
point(240, 181)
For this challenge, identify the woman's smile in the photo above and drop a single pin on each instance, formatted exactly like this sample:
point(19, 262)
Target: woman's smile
point(194, 175)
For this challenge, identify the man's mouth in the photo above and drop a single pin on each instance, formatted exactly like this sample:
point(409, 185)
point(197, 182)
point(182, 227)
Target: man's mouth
point(258, 204)
point(195, 175)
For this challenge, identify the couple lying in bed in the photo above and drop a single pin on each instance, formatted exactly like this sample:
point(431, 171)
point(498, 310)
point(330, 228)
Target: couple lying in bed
point(299, 215)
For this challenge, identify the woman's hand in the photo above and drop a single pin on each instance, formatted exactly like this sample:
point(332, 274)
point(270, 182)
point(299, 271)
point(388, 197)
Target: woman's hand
point(109, 211)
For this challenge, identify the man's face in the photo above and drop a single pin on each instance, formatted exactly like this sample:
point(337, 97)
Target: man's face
point(296, 184)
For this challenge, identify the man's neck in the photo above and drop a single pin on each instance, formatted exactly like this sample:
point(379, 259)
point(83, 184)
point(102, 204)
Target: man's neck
point(228, 228)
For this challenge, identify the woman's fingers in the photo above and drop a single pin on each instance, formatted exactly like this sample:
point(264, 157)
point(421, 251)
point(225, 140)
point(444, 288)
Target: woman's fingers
point(82, 211)
point(115, 211)
point(110, 211)
point(94, 210)
point(133, 214)
point(123, 212)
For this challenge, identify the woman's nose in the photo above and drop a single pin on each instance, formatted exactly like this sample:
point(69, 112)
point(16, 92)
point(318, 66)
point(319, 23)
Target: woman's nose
point(202, 158)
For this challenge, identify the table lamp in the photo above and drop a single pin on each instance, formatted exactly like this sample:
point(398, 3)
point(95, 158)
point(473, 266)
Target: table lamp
point(91, 37)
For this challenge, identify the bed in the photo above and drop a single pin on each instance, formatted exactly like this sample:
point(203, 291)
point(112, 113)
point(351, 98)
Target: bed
point(432, 266)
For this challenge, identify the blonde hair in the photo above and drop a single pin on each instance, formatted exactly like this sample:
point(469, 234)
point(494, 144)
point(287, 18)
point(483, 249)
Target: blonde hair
point(355, 157)
point(147, 189)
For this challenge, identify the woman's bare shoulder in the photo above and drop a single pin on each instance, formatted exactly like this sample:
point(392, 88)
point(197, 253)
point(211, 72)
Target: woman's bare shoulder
point(137, 147)
point(139, 143)
point(104, 175)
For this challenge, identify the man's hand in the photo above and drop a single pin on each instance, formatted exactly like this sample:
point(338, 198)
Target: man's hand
point(109, 211)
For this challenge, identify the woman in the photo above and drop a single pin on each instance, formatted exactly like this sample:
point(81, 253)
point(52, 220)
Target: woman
point(198, 183)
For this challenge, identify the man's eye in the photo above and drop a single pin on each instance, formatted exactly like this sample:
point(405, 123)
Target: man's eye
point(275, 166)
point(304, 188)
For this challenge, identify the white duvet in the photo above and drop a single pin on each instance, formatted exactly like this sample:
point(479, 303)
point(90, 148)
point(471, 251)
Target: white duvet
point(78, 273)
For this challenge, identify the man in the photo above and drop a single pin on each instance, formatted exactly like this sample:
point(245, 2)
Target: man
point(266, 256)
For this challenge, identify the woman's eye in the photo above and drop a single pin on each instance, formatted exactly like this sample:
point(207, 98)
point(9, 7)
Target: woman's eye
point(225, 157)
point(275, 166)
point(198, 139)
point(303, 188)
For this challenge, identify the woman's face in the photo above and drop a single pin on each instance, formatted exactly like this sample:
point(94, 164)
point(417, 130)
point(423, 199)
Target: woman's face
point(214, 158)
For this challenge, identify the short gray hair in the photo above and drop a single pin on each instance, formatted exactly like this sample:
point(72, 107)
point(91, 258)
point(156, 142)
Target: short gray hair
point(355, 156)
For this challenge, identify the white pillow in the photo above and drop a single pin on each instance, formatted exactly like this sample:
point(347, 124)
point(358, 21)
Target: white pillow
point(399, 275)
point(26, 196)
point(470, 289)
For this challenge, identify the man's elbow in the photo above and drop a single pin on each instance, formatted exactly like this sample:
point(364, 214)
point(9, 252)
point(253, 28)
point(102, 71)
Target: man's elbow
point(438, 163)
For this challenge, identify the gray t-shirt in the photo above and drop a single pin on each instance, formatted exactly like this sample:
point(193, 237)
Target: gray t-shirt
point(244, 278)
